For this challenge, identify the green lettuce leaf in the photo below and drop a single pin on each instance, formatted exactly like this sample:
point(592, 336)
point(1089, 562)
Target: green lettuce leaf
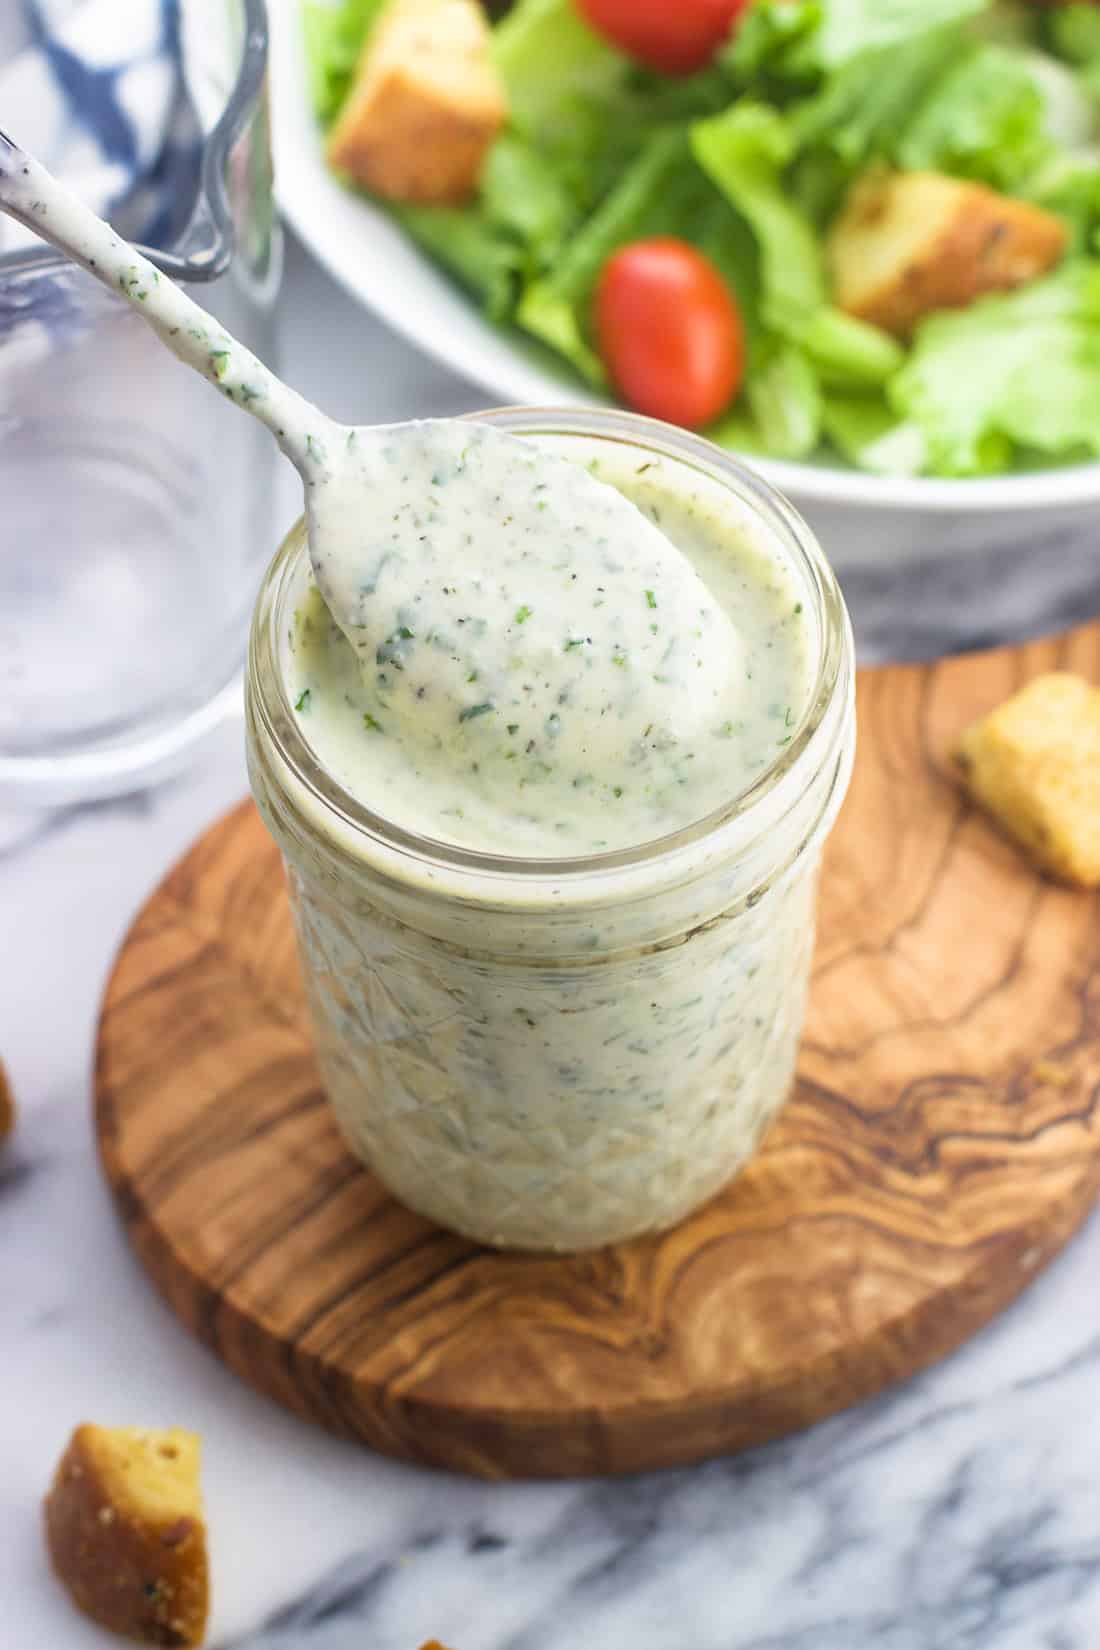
point(568, 95)
point(865, 430)
point(1069, 184)
point(637, 206)
point(854, 118)
point(860, 108)
point(584, 106)
point(783, 393)
point(780, 410)
point(738, 431)
point(986, 119)
point(550, 60)
point(744, 152)
point(334, 37)
point(847, 351)
point(527, 198)
point(775, 47)
point(559, 323)
point(908, 84)
point(1070, 99)
point(663, 192)
point(849, 27)
point(1015, 372)
point(470, 247)
point(1074, 34)
point(798, 41)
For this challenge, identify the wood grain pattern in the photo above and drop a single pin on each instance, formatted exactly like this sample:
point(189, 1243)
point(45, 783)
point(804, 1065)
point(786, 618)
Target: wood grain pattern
point(942, 1143)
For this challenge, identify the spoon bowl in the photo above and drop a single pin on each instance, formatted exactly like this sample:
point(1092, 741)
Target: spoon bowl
point(506, 606)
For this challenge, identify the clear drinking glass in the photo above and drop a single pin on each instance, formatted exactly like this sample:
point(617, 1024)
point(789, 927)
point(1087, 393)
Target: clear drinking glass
point(134, 505)
point(561, 1054)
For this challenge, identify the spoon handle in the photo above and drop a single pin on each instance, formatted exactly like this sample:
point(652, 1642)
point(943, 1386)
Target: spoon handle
point(30, 194)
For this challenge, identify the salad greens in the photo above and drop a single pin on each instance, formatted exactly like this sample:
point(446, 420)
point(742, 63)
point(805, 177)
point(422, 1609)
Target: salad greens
point(986, 119)
point(1011, 376)
point(749, 160)
point(333, 38)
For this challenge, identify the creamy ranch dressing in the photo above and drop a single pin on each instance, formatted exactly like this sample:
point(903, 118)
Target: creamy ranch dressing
point(561, 1058)
point(594, 702)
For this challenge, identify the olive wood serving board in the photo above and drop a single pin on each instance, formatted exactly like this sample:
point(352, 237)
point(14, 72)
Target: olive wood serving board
point(941, 1145)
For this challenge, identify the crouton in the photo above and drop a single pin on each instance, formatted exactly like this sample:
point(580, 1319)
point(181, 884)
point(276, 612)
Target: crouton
point(909, 243)
point(425, 104)
point(7, 1105)
point(1034, 762)
point(125, 1531)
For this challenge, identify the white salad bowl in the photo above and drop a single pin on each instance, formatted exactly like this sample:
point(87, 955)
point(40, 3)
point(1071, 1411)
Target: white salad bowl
point(861, 519)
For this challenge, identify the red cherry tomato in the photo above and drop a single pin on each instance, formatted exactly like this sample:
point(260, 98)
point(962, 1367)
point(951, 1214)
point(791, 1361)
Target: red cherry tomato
point(674, 36)
point(669, 332)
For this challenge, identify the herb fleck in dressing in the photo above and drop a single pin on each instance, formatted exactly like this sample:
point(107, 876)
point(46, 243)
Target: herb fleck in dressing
point(519, 690)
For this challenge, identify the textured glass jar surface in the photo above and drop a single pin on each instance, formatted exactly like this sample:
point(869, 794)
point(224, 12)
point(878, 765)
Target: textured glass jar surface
point(559, 1056)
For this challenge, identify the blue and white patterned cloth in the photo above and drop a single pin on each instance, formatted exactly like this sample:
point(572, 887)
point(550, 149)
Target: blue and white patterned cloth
point(96, 90)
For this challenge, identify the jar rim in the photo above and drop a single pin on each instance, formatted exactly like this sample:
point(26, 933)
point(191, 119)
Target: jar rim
point(813, 740)
point(204, 248)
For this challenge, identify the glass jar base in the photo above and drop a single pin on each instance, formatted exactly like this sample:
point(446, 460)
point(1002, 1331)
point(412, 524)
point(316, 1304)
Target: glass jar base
point(579, 1215)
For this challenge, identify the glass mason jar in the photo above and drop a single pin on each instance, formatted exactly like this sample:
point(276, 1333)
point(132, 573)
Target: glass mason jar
point(559, 1055)
point(136, 516)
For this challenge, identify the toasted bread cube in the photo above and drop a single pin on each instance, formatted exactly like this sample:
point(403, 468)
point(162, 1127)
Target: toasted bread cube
point(425, 104)
point(1034, 762)
point(7, 1105)
point(909, 243)
point(125, 1531)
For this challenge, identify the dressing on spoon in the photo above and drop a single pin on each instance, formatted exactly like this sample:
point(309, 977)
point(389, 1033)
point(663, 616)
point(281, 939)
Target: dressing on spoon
point(499, 598)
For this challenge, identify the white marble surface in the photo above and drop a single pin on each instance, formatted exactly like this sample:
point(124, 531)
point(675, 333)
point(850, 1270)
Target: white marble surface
point(961, 1512)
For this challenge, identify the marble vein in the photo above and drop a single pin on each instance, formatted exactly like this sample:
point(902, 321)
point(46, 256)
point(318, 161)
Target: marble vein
point(942, 1530)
